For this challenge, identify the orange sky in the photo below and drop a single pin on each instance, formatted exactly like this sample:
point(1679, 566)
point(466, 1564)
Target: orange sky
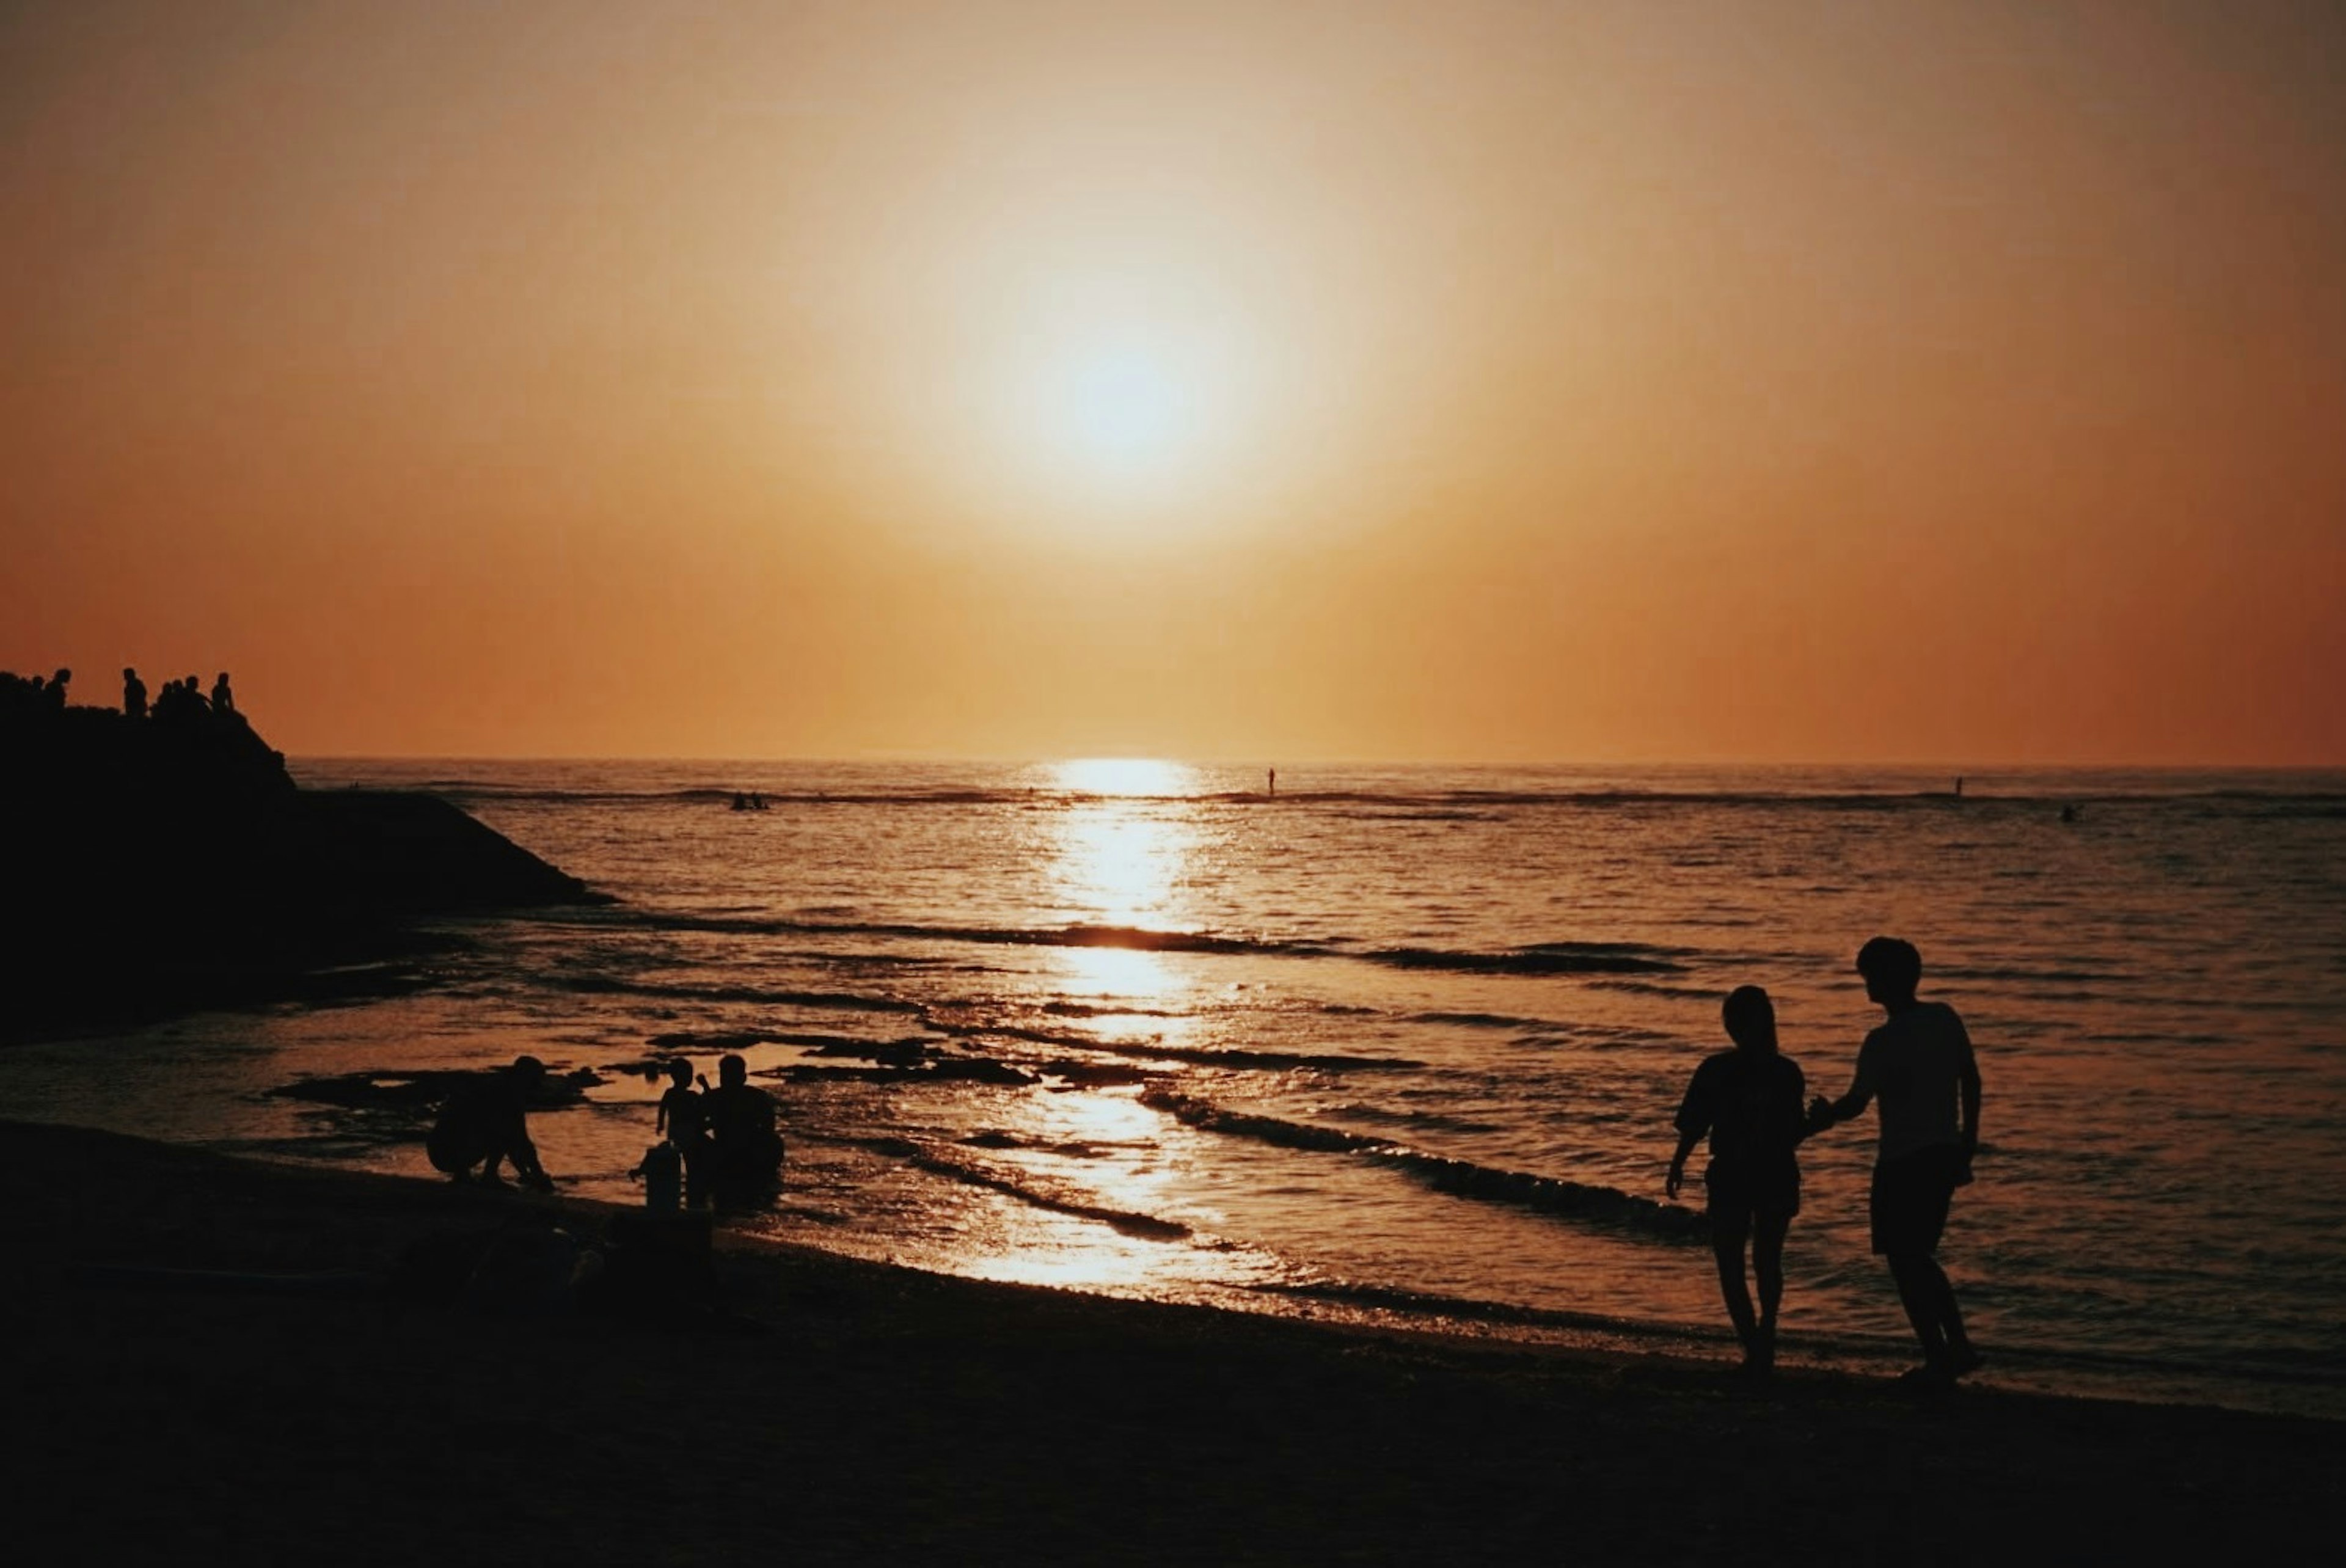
point(1228, 379)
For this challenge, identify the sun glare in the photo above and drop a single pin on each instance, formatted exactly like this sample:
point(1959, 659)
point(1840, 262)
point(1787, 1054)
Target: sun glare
point(1124, 776)
point(1127, 410)
point(1109, 400)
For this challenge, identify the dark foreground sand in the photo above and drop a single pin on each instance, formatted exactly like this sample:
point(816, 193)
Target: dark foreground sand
point(856, 1413)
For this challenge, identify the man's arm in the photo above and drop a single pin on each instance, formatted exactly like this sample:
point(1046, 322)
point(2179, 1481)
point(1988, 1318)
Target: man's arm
point(1829, 1113)
point(1968, 1079)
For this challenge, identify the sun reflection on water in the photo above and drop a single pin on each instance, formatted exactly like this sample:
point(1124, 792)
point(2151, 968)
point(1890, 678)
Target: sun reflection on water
point(1124, 776)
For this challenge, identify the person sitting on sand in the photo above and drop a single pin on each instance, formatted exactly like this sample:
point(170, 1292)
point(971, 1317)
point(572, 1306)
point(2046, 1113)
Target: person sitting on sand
point(1919, 1065)
point(485, 1122)
point(745, 1149)
point(683, 1120)
point(1748, 1101)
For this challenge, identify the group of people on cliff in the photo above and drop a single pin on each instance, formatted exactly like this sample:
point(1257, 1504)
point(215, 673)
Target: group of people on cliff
point(1918, 1069)
point(180, 701)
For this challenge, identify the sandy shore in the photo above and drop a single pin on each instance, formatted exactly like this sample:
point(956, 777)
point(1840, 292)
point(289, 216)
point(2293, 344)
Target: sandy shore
point(839, 1412)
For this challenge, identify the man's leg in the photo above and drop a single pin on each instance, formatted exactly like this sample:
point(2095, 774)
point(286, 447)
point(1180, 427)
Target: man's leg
point(1923, 1291)
point(1961, 1357)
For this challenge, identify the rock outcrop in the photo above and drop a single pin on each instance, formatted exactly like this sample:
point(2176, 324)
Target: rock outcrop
point(157, 863)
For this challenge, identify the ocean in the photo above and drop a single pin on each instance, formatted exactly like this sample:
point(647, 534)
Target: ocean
point(1397, 1044)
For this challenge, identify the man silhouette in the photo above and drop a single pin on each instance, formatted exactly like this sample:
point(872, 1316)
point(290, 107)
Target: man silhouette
point(745, 1148)
point(1919, 1065)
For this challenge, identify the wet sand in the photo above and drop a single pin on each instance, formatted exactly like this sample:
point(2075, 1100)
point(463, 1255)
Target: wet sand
point(838, 1412)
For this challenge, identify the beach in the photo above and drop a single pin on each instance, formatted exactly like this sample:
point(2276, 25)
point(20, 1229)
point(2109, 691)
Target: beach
point(832, 1410)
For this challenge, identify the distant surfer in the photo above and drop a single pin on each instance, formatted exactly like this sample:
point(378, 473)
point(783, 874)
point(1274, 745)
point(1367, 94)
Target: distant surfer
point(1919, 1065)
point(1748, 1101)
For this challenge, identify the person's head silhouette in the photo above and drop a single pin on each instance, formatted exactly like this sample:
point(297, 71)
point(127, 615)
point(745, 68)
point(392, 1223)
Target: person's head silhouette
point(1893, 969)
point(1750, 1019)
point(732, 1072)
point(679, 1071)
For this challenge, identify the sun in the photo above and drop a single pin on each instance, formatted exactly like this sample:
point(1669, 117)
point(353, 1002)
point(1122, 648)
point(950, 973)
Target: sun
point(1117, 409)
point(1127, 409)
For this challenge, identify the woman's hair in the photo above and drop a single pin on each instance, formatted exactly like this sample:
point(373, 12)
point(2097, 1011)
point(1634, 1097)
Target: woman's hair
point(1750, 1019)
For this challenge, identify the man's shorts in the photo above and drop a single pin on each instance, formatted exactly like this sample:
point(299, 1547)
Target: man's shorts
point(1734, 1194)
point(1911, 1197)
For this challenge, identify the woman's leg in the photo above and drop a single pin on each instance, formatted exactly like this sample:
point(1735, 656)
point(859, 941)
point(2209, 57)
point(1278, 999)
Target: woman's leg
point(1728, 1228)
point(1768, 1232)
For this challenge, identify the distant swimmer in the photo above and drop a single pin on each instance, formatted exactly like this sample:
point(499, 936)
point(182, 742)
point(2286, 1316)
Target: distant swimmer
point(1959, 786)
point(2069, 813)
point(1272, 782)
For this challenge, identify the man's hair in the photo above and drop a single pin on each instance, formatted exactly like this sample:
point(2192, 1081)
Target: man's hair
point(1893, 962)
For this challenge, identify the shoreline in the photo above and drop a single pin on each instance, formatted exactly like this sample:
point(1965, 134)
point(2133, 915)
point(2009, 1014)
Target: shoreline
point(838, 1409)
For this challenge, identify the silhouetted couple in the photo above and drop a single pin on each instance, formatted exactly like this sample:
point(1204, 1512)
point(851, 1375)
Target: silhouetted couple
point(728, 1136)
point(1918, 1065)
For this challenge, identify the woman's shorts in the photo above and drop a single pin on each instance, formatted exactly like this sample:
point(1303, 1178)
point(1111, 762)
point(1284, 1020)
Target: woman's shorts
point(1736, 1194)
point(1911, 1197)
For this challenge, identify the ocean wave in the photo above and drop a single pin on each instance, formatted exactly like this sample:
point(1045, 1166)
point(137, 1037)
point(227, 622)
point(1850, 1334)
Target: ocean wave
point(1532, 957)
point(1555, 1196)
point(1195, 1055)
point(1484, 1021)
point(1541, 958)
point(1147, 1226)
point(615, 985)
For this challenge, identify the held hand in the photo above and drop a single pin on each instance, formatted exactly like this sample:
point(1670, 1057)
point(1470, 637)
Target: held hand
point(1821, 1114)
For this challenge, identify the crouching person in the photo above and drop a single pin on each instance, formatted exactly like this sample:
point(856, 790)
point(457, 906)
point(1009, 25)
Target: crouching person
point(486, 1124)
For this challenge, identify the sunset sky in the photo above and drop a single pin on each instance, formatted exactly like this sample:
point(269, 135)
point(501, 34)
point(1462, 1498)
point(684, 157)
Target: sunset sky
point(1232, 378)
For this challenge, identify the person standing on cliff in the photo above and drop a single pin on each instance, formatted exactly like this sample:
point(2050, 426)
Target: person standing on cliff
point(223, 699)
point(1919, 1065)
point(134, 693)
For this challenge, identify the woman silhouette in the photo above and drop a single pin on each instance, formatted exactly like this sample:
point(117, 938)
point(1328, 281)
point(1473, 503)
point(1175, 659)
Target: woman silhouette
point(1750, 1101)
